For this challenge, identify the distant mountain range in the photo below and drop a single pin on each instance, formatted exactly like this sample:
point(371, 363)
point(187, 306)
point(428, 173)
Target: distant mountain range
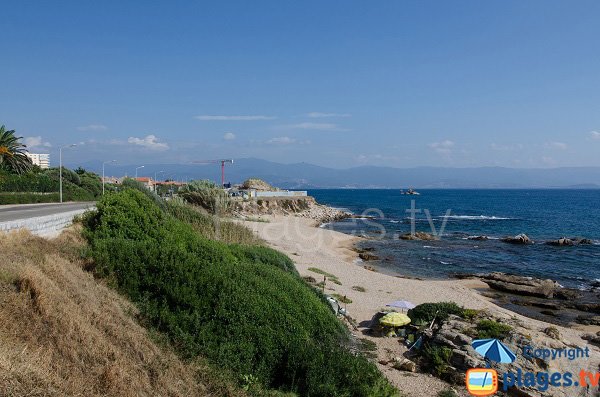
point(306, 176)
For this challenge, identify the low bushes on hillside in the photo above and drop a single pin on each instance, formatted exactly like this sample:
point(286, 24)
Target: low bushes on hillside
point(243, 308)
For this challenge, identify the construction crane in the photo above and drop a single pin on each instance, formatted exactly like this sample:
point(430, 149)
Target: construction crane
point(223, 162)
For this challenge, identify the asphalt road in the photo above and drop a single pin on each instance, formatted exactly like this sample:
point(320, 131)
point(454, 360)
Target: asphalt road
point(18, 212)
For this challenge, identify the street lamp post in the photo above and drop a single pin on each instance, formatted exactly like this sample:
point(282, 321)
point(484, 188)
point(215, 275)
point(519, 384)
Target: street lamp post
point(60, 169)
point(103, 164)
point(156, 179)
point(137, 168)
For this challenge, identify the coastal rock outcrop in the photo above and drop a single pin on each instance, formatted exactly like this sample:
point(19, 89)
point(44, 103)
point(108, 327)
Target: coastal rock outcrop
point(305, 207)
point(564, 241)
point(418, 236)
point(520, 285)
point(520, 239)
point(366, 256)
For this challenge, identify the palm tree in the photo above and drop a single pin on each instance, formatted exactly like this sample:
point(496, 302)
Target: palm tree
point(12, 153)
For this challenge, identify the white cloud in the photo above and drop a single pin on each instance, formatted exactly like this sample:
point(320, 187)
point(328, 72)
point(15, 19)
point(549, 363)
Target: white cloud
point(444, 147)
point(312, 126)
point(316, 115)
point(595, 134)
point(36, 142)
point(281, 140)
point(149, 142)
point(229, 136)
point(557, 145)
point(93, 127)
point(233, 118)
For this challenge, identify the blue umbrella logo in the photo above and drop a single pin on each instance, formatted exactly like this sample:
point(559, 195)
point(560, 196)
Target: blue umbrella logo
point(494, 350)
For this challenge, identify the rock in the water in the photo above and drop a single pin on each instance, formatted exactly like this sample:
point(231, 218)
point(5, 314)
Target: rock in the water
point(585, 241)
point(404, 364)
point(520, 239)
point(569, 242)
point(561, 242)
point(418, 236)
point(365, 256)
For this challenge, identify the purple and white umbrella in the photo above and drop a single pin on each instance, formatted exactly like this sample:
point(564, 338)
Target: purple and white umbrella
point(405, 305)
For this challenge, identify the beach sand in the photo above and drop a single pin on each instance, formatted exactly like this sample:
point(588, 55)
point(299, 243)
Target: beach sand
point(330, 251)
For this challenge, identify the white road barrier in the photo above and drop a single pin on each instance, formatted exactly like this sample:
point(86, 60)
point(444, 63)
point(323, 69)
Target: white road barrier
point(46, 226)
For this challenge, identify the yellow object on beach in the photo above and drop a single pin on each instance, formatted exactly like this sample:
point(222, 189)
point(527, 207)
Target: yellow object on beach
point(395, 320)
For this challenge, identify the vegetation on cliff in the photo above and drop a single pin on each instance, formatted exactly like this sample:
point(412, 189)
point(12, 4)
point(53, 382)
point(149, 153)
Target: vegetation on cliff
point(242, 307)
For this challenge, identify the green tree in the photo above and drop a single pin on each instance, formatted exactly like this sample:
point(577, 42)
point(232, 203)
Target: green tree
point(12, 153)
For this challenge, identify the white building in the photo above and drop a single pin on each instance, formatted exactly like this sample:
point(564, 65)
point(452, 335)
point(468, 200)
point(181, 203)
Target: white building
point(42, 160)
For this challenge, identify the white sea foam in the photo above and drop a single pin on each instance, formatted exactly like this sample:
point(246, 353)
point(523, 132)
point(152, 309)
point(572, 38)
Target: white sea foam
point(475, 236)
point(476, 217)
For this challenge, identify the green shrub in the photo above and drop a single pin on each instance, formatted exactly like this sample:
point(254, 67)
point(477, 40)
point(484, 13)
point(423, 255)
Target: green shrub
point(210, 226)
point(488, 329)
point(139, 186)
point(469, 314)
point(197, 185)
point(243, 308)
point(265, 255)
point(215, 201)
point(438, 358)
point(426, 312)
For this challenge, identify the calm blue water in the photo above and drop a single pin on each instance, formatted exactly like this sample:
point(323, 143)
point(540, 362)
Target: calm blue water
point(541, 214)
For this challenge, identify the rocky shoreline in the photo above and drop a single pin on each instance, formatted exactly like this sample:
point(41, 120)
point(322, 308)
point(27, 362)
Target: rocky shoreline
point(542, 299)
point(305, 207)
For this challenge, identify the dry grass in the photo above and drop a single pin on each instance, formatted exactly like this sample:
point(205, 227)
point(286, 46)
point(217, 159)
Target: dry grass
point(63, 333)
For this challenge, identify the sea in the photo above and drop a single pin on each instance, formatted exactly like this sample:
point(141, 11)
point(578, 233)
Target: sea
point(458, 215)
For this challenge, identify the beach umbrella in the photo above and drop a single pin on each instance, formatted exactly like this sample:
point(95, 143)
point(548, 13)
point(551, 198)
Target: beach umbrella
point(402, 304)
point(494, 350)
point(394, 320)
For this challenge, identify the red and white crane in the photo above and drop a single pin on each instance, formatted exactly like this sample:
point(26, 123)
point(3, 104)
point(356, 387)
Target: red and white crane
point(222, 161)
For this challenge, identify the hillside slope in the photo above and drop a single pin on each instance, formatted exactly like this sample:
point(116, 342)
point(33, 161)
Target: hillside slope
point(63, 333)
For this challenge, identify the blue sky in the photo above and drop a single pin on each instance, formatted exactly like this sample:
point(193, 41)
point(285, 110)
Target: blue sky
point(335, 83)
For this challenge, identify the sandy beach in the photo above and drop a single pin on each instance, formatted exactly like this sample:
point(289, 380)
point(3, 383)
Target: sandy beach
point(313, 247)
